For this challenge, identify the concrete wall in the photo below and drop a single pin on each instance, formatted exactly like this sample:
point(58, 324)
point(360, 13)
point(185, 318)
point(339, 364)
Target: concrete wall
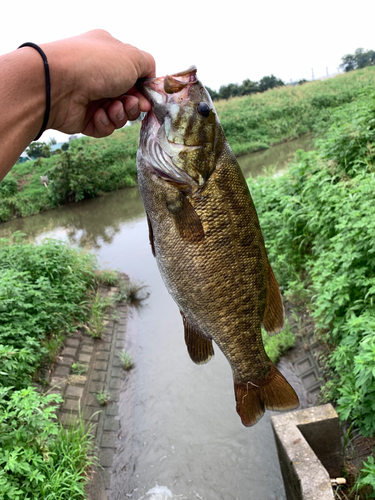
point(310, 451)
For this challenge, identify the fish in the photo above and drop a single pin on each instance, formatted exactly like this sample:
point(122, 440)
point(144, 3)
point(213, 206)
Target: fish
point(206, 237)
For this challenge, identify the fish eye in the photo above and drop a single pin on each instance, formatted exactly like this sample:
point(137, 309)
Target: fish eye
point(203, 109)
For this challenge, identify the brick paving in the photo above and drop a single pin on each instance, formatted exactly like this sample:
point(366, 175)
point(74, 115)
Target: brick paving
point(104, 372)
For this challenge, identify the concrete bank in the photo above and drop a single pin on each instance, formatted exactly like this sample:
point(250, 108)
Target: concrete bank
point(104, 373)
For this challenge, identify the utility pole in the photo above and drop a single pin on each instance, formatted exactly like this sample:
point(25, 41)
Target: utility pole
point(327, 70)
point(312, 72)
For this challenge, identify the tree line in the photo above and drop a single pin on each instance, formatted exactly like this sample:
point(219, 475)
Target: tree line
point(360, 59)
point(245, 88)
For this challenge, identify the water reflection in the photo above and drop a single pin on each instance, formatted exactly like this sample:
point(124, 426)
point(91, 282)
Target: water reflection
point(87, 224)
point(278, 156)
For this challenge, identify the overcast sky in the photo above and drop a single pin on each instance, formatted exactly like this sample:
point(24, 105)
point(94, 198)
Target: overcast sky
point(227, 41)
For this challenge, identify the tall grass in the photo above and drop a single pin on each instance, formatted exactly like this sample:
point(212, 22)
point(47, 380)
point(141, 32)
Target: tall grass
point(318, 221)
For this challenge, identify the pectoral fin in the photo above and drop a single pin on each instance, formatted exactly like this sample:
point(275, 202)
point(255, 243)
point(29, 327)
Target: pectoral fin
point(273, 317)
point(151, 236)
point(200, 349)
point(185, 217)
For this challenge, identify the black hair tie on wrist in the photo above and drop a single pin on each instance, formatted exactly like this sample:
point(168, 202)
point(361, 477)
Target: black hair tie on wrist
point(48, 86)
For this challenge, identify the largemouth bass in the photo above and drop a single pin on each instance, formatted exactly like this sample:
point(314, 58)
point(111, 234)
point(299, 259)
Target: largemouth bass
point(205, 235)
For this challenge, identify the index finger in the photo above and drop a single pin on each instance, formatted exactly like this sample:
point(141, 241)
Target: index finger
point(149, 69)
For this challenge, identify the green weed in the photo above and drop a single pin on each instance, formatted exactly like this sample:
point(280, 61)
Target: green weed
point(132, 292)
point(103, 397)
point(79, 368)
point(277, 345)
point(126, 359)
point(98, 315)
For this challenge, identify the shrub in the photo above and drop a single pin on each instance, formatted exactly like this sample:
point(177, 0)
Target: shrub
point(319, 226)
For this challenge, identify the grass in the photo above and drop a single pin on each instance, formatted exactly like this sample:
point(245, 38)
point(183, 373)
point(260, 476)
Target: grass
point(132, 291)
point(126, 360)
point(277, 345)
point(103, 397)
point(98, 315)
point(69, 459)
point(79, 368)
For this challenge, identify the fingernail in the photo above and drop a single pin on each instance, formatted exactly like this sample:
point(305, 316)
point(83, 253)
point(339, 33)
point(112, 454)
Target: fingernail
point(104, 118)
point(121, 114)
point(134, 110)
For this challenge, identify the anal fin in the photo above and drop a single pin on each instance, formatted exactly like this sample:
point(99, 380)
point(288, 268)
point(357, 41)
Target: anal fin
point(200, 348)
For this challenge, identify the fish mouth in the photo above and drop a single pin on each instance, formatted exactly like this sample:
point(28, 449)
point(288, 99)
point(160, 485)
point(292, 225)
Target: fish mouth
point(155, 88)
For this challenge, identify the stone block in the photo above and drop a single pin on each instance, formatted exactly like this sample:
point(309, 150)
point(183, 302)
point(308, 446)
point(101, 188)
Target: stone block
point(92, 414)
point(74, 391)
point(98, 376)
point(106, 477)
point(117, 361)
point(84, 358)
point(115, 395)
point(72, 405)
point(120, 344)
point(64, 361)
point(69, 351)
point(95, 387)
point(100, 365)
point(106, 457)
point(304, 440)
point(71, 342)
point(109, 440)
point(104, 346)
point(87, 349)
point(112, 409)
point(58, 383)
point(110, 424)
point(62, 371)
point(115, 383)
point(102, 355)
point(117, 372)
point(88, 340)
point(107, 338)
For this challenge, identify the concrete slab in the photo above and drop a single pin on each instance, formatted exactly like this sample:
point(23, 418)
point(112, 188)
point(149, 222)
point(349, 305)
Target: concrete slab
point(309, 445)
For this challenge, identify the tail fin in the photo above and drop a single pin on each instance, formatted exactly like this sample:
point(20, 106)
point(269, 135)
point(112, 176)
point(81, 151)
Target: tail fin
point(275, 393)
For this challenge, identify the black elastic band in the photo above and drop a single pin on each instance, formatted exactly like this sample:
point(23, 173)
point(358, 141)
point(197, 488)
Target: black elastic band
point(48, 85)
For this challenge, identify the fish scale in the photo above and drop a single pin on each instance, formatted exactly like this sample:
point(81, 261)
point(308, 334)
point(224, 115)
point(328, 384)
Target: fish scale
point(208, 243)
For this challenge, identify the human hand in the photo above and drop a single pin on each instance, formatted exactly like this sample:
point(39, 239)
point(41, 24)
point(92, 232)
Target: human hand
point(92, 83)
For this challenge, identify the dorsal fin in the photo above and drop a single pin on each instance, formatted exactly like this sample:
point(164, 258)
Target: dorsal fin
point(273, 317)
point(200, 348)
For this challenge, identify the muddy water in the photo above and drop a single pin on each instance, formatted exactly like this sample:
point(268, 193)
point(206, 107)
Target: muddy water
point(180, 434)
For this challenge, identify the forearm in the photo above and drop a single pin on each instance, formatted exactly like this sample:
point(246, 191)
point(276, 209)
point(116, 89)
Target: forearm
point(22, 103)
point(93, 90)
